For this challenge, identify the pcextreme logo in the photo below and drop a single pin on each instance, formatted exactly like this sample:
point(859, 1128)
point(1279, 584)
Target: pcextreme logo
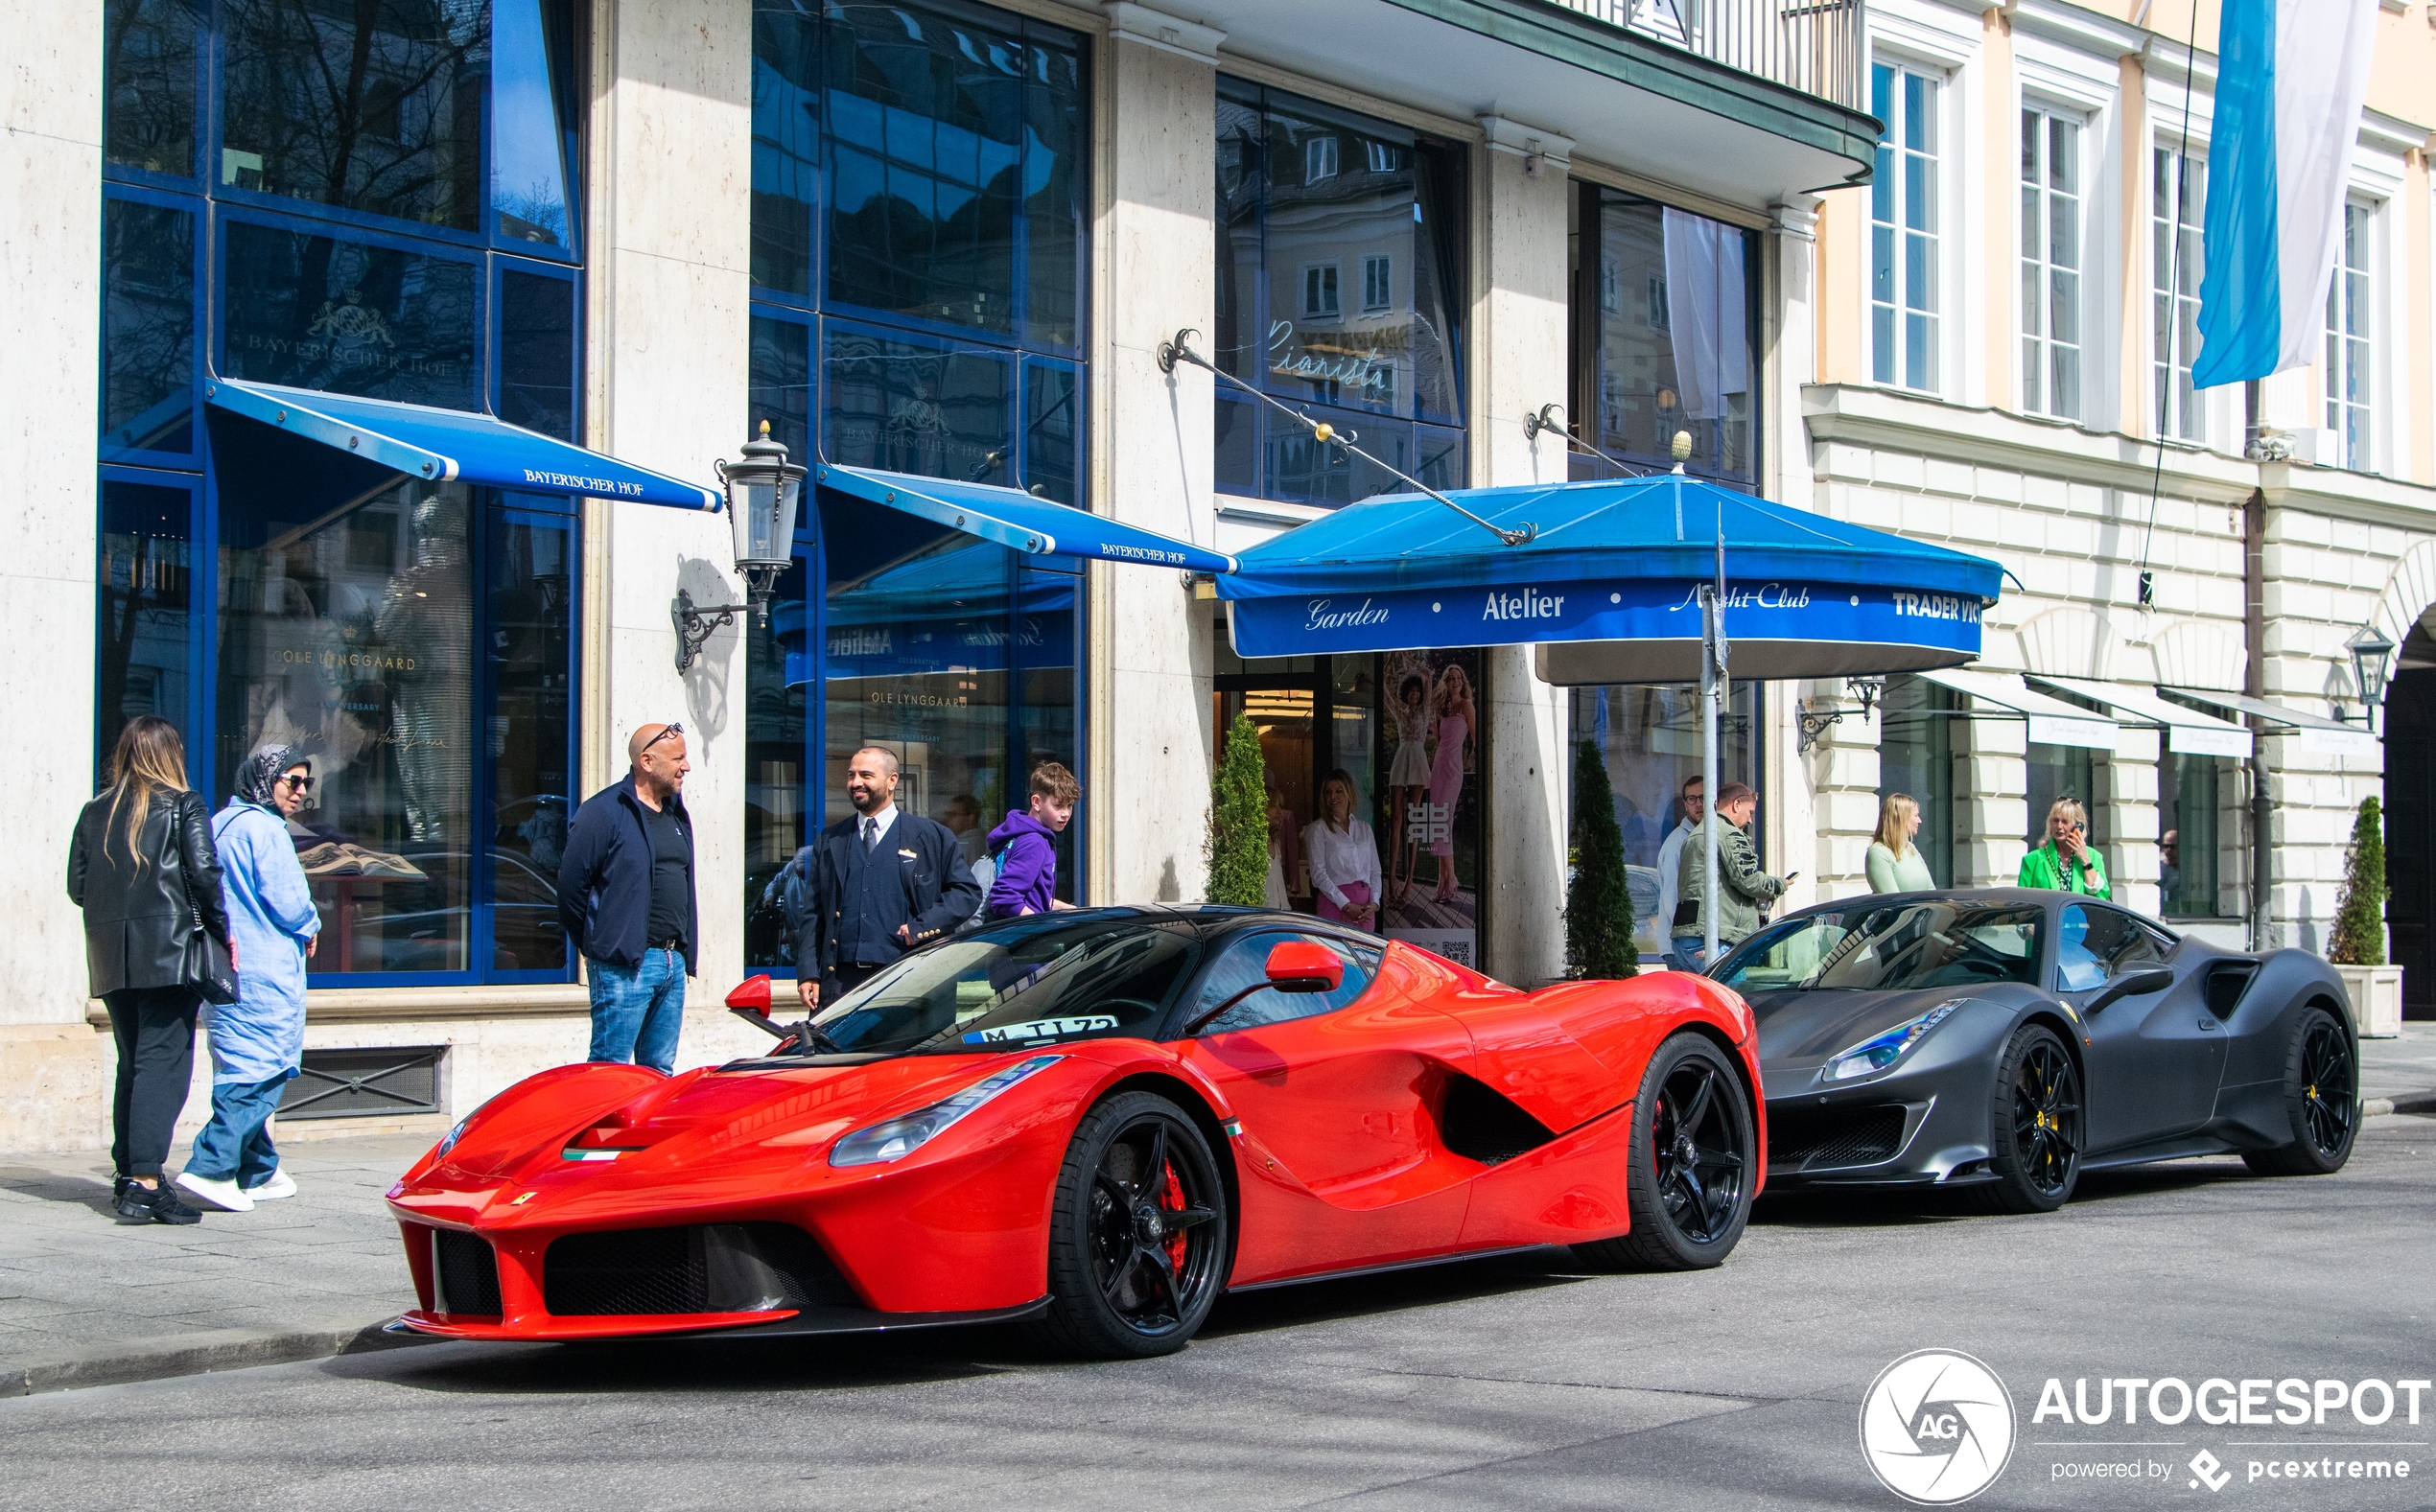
point(1937, 1427)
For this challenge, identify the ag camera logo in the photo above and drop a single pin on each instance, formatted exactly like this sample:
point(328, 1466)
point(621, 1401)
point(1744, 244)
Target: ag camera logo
point(1937, 1427)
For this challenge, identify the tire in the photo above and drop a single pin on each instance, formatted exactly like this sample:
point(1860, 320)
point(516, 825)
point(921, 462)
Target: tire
point(2320, 1100)
point(2037, 1123)
point(1693, 1157)
point(1138, 1233)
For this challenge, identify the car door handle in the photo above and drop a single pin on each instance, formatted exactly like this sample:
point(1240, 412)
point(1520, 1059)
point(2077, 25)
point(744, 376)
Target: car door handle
point(2210, 1023)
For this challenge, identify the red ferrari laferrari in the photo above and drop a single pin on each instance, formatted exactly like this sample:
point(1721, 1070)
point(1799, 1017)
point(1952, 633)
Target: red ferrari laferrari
point(1096, 1121)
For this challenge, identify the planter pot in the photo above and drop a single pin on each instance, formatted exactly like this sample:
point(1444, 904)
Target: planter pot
point(2377, 999)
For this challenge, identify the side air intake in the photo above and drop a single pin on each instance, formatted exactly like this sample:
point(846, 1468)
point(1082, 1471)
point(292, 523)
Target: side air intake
point(1479, 1123)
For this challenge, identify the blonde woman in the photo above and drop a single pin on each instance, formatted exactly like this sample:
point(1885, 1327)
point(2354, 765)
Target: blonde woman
point(2068, 862)
point(1895, 864)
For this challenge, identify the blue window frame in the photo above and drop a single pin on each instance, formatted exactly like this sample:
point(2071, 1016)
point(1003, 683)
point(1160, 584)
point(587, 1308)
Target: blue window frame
point(1341, 293)
point(397, 218)
point(919, 265)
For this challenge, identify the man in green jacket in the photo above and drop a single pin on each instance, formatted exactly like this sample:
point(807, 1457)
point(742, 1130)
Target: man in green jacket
point(1746, 889)
point(2068, 862)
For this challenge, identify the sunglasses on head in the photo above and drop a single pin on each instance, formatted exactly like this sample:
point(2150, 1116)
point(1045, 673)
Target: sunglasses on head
point(671, 729)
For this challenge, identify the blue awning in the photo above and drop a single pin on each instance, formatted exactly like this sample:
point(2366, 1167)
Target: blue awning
point(1605, 587)
point(1013, 518)
point(442, 445)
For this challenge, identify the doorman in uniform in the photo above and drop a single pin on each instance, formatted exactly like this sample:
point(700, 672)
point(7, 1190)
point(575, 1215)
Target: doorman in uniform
point(884, 882)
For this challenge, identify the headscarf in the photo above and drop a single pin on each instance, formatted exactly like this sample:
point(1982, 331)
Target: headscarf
point(258, 778)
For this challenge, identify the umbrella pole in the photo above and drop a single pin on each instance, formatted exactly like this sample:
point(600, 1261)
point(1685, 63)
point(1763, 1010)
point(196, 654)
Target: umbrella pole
point(1709, 614)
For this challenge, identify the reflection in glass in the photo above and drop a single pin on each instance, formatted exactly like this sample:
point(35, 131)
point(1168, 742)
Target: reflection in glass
point(1052, 431)
point(1341, 219)
point(528, 160)
point(374, 107)
point(1045, 642)
point(349, 632)
point(915, 406)
point(531, 568)
point(148, 65)
point(781, 383)
point(537, 353)
point(318, 312)
point(1056, 186)
point(1649, 735)
point(1672, 303)
point(777, 676)
point(785, 144)
point(148, 329)
point(142, 650)
point(2190, 825)
point(1237, 337)
point(1915, 755)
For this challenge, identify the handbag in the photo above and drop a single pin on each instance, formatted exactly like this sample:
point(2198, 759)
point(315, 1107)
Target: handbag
point(206, 968)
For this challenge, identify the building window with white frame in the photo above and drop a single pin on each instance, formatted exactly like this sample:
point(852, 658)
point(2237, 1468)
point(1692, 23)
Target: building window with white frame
point(2051, 264)
point(2177, 207)
point(1378, 281)
point(1903, 228)
point(2350, 378)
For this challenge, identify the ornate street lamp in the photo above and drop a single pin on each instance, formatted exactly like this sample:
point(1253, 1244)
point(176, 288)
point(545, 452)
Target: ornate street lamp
point(765, 493)
point(2370, 654)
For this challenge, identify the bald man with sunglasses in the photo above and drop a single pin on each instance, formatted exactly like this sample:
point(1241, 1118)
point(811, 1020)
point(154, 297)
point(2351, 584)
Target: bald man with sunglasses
point(626, 896)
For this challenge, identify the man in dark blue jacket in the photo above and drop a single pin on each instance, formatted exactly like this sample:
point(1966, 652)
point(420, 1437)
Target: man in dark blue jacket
point(626, 896)
point(884, 882)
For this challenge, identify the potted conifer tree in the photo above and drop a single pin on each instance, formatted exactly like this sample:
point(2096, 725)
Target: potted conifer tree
point(1238, 843)
point(1598, 903)
point(2357, 945)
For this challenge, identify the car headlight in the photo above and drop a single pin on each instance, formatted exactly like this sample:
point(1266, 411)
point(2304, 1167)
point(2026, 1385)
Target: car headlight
point(1882, 1051)
point(448, 1141)
point(900, 1137)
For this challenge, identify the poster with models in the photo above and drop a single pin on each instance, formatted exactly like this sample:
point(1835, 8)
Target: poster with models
point(1428, 788)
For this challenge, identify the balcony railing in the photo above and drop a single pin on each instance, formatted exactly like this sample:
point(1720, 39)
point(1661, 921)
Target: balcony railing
point(1809, 45)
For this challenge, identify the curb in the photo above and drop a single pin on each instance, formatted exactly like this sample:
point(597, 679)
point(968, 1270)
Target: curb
point(193, 1355)
point(2422, 1102)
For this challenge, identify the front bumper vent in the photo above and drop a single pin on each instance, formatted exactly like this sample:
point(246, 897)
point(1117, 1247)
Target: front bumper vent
point(1834, 1139)
point(699, 1267)
point(464, 1274)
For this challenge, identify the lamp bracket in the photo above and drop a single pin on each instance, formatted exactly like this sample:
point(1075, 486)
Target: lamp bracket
point(698, 623)
point(1814, 724)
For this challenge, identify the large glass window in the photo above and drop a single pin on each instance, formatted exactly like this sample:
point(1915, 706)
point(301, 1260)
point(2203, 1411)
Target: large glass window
point(1904, 231)
point(1649, 736)
point(1663, 313)
point(919, 260)
point(2051, 264)
point(2192, 829)
point(1916, 757)
point(2351, 311)
point(2177, 209)
point(414, 640)
point(1340, 289)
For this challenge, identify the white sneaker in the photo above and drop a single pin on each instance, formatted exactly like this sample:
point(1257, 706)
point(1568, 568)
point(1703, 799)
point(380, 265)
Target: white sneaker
point(222, 1195)
point(272, 1187)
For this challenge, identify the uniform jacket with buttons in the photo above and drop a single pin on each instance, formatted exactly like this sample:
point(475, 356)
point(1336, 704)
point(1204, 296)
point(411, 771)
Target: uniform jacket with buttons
point(937, 887)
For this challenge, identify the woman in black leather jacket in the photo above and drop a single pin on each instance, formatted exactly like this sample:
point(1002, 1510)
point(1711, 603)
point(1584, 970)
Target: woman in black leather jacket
point(143, 867)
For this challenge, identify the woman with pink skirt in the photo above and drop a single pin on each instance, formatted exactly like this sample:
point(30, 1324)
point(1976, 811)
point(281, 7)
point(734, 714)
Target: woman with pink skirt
point(1343, 856)
point(1458, 721)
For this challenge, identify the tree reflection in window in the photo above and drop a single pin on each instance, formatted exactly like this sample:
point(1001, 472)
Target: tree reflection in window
point(149, 68)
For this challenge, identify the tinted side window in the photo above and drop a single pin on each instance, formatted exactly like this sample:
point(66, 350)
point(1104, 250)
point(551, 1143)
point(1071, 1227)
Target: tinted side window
point(2099, 942)
point(1246, 960)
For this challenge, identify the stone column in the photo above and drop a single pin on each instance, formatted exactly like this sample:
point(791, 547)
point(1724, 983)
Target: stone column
point(1147, 792)
point(2128, 781)
point(1520, 328)
point(666, 365)
point(54, 1065)
point(1991, 808)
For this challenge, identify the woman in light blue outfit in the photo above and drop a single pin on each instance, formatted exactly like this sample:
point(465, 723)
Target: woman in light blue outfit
point(257, 1042)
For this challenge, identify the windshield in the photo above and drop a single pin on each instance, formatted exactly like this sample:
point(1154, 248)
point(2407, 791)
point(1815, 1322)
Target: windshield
point(1889, 947)
point(1026, 982)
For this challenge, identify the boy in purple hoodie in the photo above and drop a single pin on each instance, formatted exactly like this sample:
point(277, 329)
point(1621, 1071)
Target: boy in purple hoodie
point(1026, 845)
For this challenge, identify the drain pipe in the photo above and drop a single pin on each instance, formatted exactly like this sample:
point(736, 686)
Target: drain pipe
point(2254, 634)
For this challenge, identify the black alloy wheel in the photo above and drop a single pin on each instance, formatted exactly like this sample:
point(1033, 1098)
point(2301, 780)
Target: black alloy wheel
point(2035, 1145)
point(1137, 1238)
point(2321, 1099)
point(1693, 1158)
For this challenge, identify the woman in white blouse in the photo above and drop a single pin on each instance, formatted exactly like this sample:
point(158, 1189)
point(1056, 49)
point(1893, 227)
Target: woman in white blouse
point(1342, 856)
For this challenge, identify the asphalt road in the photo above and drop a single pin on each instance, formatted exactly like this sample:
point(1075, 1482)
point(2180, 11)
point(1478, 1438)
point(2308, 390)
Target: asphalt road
point(1513, 1382)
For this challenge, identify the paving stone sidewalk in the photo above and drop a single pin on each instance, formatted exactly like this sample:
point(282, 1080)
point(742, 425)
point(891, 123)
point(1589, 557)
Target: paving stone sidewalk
point(88, 1301)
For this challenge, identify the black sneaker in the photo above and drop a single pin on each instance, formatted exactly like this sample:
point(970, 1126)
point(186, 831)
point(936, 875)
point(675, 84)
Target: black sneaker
point(156, 1205)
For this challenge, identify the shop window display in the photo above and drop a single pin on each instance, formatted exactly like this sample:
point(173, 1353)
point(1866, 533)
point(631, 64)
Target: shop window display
point(1649, 735)
point(1339, 292)
point(1915, 755)
point(919, 194)
point(370, 170)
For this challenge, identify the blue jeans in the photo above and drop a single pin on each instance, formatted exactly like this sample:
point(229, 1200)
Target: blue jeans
point(637, 1011)
point(237, 1141)
point(1690, 952)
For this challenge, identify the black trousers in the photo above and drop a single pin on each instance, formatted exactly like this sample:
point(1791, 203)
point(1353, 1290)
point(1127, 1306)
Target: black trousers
point(843, 979)
point(156, 1031)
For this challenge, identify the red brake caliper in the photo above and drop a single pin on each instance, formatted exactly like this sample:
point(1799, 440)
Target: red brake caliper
point(1172, 1198)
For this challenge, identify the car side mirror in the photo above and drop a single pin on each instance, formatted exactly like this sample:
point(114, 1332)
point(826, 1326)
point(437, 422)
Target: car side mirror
point(1305, 965)
point(2137, 982)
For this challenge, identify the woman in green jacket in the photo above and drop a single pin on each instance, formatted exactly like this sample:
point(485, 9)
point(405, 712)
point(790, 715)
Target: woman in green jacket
point(2068, 862)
